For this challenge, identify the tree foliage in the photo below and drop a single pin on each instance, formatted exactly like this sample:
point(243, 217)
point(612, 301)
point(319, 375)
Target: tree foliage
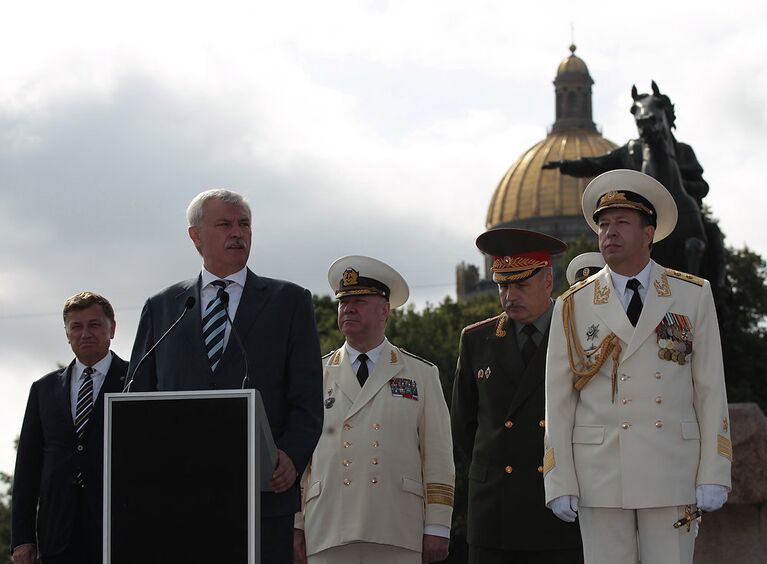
point(744, 338)
point(5, 517)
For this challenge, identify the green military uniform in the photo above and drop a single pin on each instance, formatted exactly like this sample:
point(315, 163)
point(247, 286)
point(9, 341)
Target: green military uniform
point(497, 420)
point(498, 409)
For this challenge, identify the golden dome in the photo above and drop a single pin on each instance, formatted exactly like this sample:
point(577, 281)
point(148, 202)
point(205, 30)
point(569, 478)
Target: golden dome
point(527, 191)
point(572, 64)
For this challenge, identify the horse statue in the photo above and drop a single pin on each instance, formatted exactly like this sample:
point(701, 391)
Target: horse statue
point(654, 117)
point(657, 153)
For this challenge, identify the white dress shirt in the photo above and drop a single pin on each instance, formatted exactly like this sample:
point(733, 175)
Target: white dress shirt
point(373, 355)
point(625, 294)
point(208, 293)
point(100, 370)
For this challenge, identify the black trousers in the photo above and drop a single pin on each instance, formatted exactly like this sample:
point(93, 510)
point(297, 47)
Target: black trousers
point(85, 543)
point(277, 540)
point(482, 555)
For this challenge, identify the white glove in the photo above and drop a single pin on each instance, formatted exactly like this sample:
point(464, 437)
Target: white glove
point(710, 497)
point(565, 507)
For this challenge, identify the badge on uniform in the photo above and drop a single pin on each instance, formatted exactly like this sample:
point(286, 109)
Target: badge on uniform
point(403, 388)
point(674, 337)
point(329, 402)
point(483, 373)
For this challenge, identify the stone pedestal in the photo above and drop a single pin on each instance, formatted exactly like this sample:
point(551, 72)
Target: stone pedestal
point(738, 531)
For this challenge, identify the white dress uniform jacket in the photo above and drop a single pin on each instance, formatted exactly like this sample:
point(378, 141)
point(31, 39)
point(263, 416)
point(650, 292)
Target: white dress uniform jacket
point(383, 468)
point(645, 432)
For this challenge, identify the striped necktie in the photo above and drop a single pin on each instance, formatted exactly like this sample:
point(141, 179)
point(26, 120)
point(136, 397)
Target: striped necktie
point(84, 402)
point(83, 412)
point(214, 325)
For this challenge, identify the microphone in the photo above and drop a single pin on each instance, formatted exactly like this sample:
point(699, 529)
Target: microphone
point(189, 304)
point(223, 295)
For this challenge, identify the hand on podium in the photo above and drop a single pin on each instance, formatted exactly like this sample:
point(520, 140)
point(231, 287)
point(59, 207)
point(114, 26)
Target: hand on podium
point(284, 475)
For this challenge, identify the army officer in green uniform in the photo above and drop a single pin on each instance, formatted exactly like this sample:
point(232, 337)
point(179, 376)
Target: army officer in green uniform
point(498, 406)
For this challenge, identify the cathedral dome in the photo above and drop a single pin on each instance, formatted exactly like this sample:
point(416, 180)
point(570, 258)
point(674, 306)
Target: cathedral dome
point(545, 200)
point(572, 64)
point(527, 191)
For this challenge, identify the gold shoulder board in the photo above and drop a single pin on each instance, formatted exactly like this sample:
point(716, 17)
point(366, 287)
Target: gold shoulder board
point(691, 278)
point(481, 323)
point(575, 287)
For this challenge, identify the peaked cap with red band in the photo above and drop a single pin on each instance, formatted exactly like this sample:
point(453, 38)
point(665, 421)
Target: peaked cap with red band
point(518, 253)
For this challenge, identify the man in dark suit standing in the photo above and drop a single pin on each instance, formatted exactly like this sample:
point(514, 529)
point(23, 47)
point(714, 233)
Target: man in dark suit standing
point(497, 412)
point(274, 320)
point(57, 490)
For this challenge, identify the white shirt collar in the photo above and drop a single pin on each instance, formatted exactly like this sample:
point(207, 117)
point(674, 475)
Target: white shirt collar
point(619, 281)
point(236, 278)
point(102, 366)
point(373, 353)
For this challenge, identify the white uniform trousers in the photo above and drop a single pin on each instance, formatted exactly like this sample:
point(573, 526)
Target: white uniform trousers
point(365, 553)
point(620, 536)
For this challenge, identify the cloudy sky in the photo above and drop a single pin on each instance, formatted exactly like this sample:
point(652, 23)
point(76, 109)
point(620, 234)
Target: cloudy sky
point(354, 127)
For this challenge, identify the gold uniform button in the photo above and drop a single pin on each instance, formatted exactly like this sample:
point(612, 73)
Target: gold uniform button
point(625, 425)
point(377, 426)
point(508, 424)
point(508, 469)
point(659, 423)
point(624, 401)
point(657, 375)
point(542, 423)
point(623, 377)
point(374, 461)
point(658, 399)
point(347, 462)
point(373, 480)
point(375, 444)
point(347, 482)
point(347, 444)
point(347, 427)
point(540, 469)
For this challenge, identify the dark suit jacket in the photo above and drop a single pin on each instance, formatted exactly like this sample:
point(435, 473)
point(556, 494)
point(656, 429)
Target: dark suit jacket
point(49, 458)
point(275, 320)
point(497, 418)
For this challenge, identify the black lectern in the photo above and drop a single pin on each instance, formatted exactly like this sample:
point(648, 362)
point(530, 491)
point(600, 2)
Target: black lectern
point(182, 475)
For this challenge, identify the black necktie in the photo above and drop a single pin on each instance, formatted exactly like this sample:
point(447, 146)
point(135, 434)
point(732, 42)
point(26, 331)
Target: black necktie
point(635, 305)
point(362, 371)
point(529, 348)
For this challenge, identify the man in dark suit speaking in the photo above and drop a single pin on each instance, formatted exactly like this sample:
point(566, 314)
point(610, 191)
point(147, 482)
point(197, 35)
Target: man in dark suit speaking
point(274, 320)
point(57, 489)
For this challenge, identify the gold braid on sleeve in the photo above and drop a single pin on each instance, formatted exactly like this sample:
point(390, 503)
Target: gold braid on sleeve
point(584, 365)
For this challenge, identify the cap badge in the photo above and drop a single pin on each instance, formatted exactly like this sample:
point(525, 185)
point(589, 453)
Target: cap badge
point(611, 197)
point(351, 277)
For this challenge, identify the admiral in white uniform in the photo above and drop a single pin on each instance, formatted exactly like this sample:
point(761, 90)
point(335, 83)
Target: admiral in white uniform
point(379, 488)
point(637, 424)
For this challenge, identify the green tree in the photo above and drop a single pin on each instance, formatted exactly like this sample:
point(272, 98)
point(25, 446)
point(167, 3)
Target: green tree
point(744, 336)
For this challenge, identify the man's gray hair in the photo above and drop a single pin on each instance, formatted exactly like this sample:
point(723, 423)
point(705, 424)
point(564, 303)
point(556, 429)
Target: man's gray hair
point(195, 210)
